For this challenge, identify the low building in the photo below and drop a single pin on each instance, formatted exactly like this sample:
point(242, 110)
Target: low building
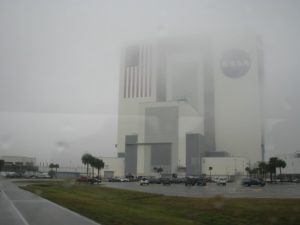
point(292, 161)
point(19, 163)
point(113, 167)
point(65, 171)
point(224, 166)
point(19, 160)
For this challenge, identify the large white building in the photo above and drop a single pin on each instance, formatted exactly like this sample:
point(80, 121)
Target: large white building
point(182, 99)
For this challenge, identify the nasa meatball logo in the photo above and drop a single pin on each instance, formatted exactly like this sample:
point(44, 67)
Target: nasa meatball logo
point(235, 63)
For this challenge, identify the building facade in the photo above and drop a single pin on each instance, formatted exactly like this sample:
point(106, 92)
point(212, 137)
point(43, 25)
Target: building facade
point(292, 161)
point(183, 98)
point(18, 160)
point(224, 166)
point(18, 163)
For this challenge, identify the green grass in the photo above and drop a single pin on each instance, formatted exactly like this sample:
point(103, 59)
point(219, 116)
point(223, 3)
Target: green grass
point(110, 206)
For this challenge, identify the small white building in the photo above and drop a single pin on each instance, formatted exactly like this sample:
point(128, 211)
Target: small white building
point(113, 167)
point(224, 166)
point(292, 161)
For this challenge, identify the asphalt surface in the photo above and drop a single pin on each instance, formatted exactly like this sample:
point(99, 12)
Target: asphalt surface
point(233, 190)
point(19, 207)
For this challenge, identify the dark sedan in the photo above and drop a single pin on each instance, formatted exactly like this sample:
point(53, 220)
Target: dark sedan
point(200, 181)
point(249, 182)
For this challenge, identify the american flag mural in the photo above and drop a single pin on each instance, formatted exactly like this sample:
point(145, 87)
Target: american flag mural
point(138, 72)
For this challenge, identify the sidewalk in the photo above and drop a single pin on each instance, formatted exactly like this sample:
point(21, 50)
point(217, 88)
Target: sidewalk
point(19, 207)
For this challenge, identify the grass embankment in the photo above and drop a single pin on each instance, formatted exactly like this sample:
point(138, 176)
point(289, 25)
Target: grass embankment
point(121, 207)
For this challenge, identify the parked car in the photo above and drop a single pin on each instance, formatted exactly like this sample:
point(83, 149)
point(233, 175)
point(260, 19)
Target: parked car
point(214, 179)
point(14, 175)
point(154, 180)
point(178, 180)
point(200, 181)
point(91, 180)
point(190, 181)
point(114, 179)
point(43, 175)
point(82, 179)
point(249, 182)
point(94, 180)
point(296, 180)
point(144, 181)
point(221, 181)
point(135, 179)
point(123, 179)
point(166, 181)
point(182, 180)
point(118, 179)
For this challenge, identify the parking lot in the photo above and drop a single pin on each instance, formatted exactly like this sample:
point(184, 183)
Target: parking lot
point(280, 190)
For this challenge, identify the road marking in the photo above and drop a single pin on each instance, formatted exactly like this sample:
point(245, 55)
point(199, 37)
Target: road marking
point(15, 208)
point(26, 200)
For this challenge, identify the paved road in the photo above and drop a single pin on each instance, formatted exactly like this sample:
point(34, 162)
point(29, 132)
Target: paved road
point(235, 190)
point(19, 207)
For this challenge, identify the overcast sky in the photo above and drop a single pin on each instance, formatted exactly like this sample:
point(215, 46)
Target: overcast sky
point(59, 67)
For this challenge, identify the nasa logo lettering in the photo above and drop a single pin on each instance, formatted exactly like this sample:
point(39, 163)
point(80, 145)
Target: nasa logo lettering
point(235, 63)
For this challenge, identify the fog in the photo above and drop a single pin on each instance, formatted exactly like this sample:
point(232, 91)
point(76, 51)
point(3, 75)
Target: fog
point(60, 63)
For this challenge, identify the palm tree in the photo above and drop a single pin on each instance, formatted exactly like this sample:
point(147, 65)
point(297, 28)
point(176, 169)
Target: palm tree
point(210, 169)
point(86, 160)
point(51, 172)
point(248, 170)
point(273, 164)
point(254, 171)
point(52, 166)
point(158, 170)
point(56, 166)
point(93, 163)
point(263, 169)
point(99, 165)
point(281, 164)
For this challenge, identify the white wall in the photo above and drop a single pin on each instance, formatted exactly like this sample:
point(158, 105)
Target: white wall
point(224, 165)
point(237, 102)
point(292, 163)
point(113, 164)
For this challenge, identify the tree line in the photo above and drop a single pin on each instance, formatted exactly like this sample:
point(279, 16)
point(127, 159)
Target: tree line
point(265, 168)
point(90, 161)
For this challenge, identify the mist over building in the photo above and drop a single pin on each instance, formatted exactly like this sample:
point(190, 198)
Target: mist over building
point(182, 99)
